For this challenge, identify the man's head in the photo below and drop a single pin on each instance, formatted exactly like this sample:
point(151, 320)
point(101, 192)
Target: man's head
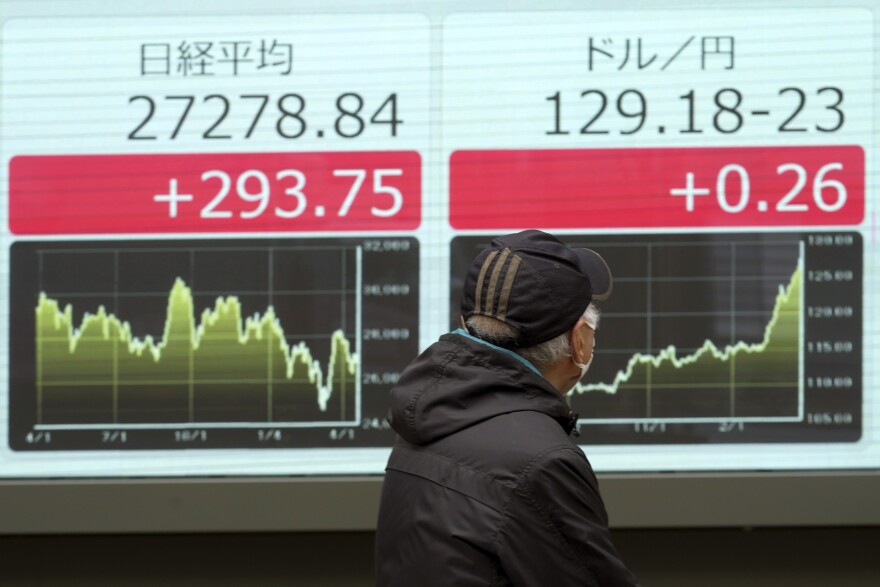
point(531, 293)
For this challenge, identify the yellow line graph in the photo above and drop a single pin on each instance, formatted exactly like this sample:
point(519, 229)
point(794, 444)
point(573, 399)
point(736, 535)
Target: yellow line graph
point(221, 349)
point(772, 362)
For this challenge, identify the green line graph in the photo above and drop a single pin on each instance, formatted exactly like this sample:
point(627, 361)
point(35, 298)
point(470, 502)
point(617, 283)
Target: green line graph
point(221, 353)
point(178, 344)
point(772, 362)
point(722, 337)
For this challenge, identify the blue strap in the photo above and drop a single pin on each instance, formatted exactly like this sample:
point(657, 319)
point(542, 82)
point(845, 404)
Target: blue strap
point(465, 333)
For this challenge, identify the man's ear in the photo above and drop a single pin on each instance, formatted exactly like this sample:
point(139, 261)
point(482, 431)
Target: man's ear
point(578, 344)
point(463, 325)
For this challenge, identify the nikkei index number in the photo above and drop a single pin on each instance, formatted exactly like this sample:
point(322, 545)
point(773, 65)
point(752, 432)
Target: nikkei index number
point(246, 116)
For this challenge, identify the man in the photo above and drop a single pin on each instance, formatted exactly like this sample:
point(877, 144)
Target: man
point(484, 485)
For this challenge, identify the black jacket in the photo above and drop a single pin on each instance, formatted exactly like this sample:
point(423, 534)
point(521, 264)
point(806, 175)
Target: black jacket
point(484, 485)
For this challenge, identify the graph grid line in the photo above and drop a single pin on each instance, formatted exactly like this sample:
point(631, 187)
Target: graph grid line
point(773, 364)
point(101, 350)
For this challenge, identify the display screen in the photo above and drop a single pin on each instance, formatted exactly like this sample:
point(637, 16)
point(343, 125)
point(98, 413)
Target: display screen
point(224, 233)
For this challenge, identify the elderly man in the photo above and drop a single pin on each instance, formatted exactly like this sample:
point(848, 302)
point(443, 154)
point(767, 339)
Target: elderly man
point(484, 485)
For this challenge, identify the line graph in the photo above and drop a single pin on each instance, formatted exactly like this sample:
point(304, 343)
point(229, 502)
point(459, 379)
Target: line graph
point(153, 344)
point(724, 337)
point(775, 362)
point(223, 349)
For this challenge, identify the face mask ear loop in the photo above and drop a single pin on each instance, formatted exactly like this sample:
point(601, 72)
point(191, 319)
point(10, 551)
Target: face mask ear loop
point(584, 366)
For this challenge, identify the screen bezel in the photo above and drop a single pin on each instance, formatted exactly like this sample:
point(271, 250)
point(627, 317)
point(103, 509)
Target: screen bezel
point(339, 503)
point(277, 504)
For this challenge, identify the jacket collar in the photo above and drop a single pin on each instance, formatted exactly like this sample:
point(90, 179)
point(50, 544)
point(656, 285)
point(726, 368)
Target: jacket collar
point(465, 333)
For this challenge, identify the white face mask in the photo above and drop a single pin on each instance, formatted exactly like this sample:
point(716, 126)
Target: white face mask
point(584, 366)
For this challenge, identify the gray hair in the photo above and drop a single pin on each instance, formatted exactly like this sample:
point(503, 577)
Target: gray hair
point(542, 355)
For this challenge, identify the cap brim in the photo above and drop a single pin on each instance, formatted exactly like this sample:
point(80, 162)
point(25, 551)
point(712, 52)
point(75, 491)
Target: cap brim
point(596, 269)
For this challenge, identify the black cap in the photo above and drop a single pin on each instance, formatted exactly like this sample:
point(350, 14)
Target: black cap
point(536, 283)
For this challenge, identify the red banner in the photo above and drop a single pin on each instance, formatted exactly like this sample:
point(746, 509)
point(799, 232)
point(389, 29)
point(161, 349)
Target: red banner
point(241, 192)
point(664, 187)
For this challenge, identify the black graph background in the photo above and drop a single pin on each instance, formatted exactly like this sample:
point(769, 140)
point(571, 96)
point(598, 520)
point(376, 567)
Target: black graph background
point(311, 284)
point(685, 289)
